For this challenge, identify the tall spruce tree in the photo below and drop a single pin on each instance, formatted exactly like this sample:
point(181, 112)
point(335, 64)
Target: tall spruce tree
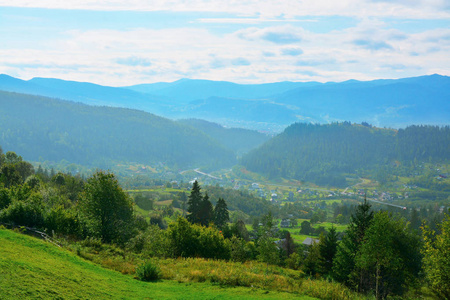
point(344, 264)
point(194, 203)
point(328, 248)
point(206, 213)
point(221, 215)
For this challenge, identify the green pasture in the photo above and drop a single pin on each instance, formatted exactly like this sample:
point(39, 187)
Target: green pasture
point(34, 269)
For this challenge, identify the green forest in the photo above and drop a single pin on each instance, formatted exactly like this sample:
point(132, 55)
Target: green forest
point(99, 136)
point(325, 153)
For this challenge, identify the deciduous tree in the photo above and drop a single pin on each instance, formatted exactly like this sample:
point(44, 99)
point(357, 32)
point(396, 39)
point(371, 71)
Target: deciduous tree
point(107, 209)
point(389, 255)
point(437, 258)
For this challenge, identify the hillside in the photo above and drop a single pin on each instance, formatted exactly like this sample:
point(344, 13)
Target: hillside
point(237, 139)
point(47, 129)
point(322, 153)
point(33, 269)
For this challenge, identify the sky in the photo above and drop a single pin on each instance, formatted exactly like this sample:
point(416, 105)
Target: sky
point(120, 43)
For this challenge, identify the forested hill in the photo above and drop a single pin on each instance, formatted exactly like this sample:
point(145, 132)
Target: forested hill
point(47, 129)
point(237, 139)
point(313, 152)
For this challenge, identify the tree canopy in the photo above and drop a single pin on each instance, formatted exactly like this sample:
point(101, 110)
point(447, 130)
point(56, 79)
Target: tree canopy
point(106, 208)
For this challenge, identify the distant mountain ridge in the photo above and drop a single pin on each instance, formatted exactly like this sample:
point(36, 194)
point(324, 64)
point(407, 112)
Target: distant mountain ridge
point(237, 139)
point(272, 106)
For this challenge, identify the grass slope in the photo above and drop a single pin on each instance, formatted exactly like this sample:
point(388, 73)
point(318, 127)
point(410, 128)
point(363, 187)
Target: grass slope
point(33, 269)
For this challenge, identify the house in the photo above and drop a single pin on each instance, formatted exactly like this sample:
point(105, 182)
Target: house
point(285, 223)
point(309, 241)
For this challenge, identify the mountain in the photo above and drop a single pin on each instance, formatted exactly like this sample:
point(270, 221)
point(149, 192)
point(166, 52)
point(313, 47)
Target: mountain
point(84, 92)
point(41, 128)
point(388, 103)
point(324, 153)
point(186, 90)
point(393, 103)
point(237, 139)
point(233, 112)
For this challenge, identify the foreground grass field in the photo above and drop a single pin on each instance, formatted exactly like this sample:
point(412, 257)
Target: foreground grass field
point(33, 269)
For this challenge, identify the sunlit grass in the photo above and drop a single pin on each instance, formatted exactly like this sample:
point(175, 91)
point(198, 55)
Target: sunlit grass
point(33, 269)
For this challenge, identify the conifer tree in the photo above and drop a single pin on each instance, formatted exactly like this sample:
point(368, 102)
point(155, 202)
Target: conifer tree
point(288, 244)
point(328, 249)
point(194, 203)
point(206, 213)
point(221, 215)
point(344, 264)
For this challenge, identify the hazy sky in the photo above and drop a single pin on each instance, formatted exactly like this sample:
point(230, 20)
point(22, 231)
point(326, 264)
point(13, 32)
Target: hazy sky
point(246, 41)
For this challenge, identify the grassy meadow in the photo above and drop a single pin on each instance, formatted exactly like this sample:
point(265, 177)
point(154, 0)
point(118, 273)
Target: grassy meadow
point(34, 269)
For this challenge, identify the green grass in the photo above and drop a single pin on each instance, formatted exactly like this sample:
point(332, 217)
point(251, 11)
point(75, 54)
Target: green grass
point(299, 238)
point(33, 269)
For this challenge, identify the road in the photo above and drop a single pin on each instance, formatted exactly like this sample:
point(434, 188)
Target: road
point(202, 173)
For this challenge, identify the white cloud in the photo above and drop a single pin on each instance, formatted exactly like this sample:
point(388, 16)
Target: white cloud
point(414, 9)
point(259, 53)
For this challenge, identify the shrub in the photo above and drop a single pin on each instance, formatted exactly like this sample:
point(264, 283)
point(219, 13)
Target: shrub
point(92, 242)
point(23, 213)
point(5, 198)
point(148, 272)
point(193, 240)
point(62, 221)
point(151, 243)
point(238, 250)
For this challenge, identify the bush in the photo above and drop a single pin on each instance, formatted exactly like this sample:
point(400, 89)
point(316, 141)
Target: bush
point(62, 221)
point(148, 272)
point(151, 243)
point(29, 213)
point(5, 198)
point(193, 240)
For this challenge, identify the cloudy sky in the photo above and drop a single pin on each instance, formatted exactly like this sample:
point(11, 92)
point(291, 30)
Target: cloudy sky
point(246, 41)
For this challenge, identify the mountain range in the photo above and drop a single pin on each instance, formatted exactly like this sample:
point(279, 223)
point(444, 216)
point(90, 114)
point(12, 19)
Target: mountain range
point(266, 107)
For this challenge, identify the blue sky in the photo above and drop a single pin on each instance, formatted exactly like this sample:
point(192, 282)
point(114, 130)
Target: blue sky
point(129, 42)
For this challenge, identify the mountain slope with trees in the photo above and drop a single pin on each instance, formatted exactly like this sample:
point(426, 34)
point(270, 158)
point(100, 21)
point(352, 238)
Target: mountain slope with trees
point(237, 139)
point(322, 153)
point(47, 129)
